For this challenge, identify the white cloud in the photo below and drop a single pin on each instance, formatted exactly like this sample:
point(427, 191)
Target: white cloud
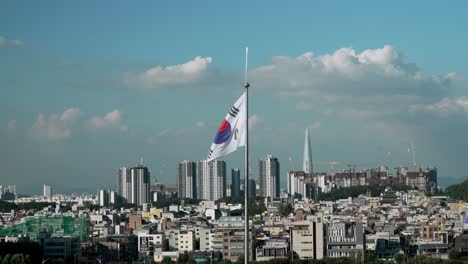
point(55, 126)
point(4, 42)
point(112, 119)
point(445, 106)
point(200, 124)
point(255, 120)
point(11, 127)
point(70, 115)
point(160, 76)
point(371, 72)
point(373, 85)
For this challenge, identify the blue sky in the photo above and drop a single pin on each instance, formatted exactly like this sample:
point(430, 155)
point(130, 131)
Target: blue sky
point(90, 86)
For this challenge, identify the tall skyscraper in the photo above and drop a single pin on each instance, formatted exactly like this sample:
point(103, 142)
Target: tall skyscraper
point(218, 177)
point(140, 185)
point(203, 180)
point(211, 180)
point(299, 184)
point(252, 188)
point(269, 176)
point(307, 166)
point(47, 192)
point(113, 198)
point(187, 180)
point(124, 187)
point(8, 192)
point(235, 183)
point(103, 198)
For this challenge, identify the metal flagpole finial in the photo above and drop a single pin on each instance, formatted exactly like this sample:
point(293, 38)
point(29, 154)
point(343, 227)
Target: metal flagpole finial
point(246, 84)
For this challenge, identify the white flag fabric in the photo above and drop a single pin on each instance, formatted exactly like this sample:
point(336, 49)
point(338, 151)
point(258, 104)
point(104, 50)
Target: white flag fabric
point(231, 133)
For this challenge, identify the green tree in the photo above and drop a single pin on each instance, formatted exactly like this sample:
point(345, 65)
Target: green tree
point(458, 191)
point(240, 260)
point(183, 258)
point(167, 260)
point(453, 254)
point(398, 257)
point(17, 259)
point(6, 259)
point(285, 209)
point(27, 258)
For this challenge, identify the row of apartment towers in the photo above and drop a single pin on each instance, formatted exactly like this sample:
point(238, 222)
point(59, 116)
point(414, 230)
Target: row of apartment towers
point(207, 180)
point(200, 180)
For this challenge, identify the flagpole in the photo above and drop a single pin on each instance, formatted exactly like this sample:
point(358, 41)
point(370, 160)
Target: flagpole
point(246, 178)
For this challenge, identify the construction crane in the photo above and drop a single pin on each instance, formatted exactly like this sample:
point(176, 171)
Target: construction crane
point(332, 164)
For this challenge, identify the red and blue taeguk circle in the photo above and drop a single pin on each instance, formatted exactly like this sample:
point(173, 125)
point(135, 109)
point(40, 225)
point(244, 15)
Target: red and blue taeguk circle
point(223, 133)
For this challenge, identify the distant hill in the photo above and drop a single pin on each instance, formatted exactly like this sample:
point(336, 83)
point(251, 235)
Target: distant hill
point(458, 191)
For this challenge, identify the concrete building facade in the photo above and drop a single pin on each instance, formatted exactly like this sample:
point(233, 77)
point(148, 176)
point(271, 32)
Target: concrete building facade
point(269, 177)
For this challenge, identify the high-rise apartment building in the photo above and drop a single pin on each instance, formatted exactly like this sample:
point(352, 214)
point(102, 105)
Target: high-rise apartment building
point(124, 180)
point(218, 179)
point(299, 184)
point(133, 185)
point(252, 188)
point(211, 180)
point(140, 185)
point(47, 191)
point(269, 176)
point(103, 198)
point(187, 179)
point(235, 183)
point(203, 180)
point(114, 198)
point(7, 192)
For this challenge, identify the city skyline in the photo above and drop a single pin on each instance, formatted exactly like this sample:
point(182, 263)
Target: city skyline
point(86, 93)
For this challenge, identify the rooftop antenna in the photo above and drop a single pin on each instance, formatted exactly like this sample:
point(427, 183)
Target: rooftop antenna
point(245, 71)
point(141, 161)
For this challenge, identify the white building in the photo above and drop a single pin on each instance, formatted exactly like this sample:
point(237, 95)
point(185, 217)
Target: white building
point(211, 180)
point(47, 191)
point(134, 184)
point(103, 197)
point(298, 183)
point(173, 238)
point(148, 244)
point(308, 238)
point(187, 180)
point(269, 176)
point(186, 241)
point(124, 181)
point(113, 197)
point(204, 235)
